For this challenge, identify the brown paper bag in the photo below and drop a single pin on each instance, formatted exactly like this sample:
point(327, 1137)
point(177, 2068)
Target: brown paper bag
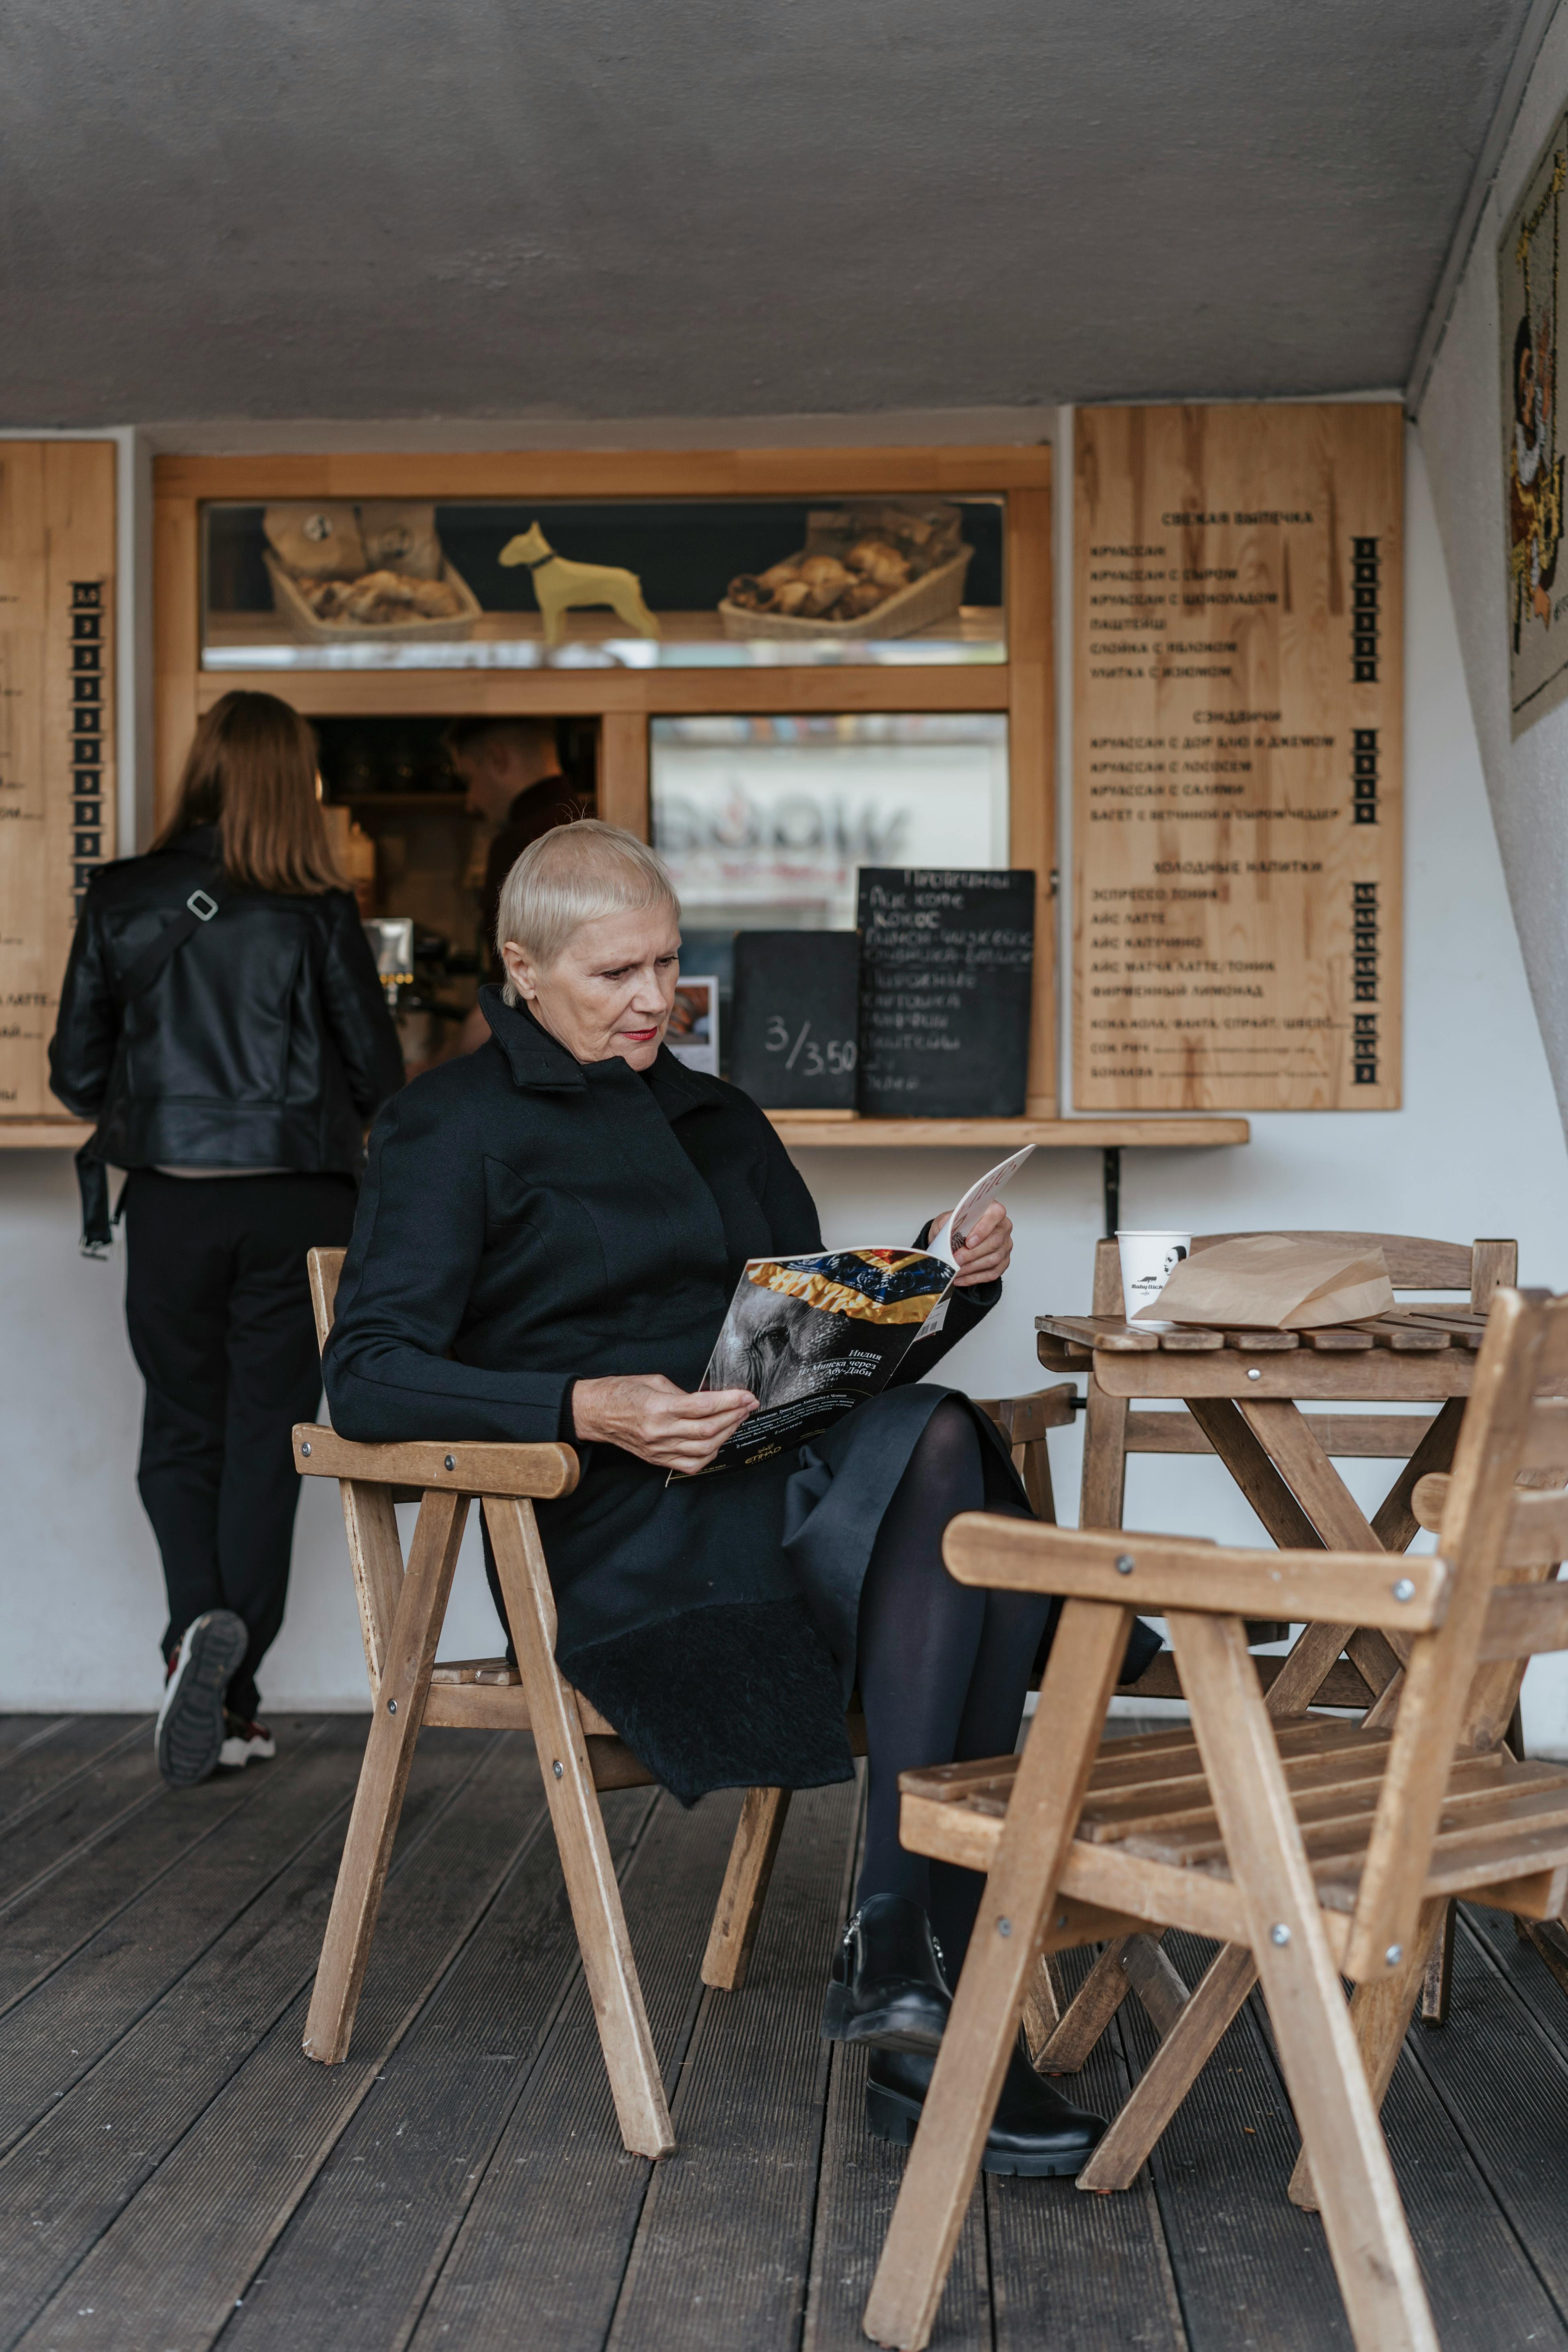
point(316, 543)
point(1269, 1282)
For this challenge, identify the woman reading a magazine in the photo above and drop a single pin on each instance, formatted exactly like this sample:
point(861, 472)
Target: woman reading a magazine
point(550, 1235)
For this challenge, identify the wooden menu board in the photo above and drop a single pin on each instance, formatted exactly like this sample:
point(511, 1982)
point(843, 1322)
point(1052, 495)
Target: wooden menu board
point(1238, 758)
point(57, 735)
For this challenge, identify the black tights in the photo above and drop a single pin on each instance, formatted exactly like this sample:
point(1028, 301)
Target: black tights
point(943, 1668)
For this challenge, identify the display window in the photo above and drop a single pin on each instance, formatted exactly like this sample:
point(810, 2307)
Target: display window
point(766, 823)
point(784, 667)
point(647, 583)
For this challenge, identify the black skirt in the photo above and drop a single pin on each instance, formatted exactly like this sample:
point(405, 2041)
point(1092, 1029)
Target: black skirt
point(713, 1620)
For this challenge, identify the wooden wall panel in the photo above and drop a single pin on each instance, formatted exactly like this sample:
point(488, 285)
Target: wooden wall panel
point(57, 734)
point(1238, 700)
point(1031, 755)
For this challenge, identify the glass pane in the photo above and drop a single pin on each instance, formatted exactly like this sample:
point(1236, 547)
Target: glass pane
point(631, 584)
point(764, 821)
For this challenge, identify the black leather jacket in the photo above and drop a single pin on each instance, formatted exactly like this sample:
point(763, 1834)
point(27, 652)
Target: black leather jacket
point(264, 1041)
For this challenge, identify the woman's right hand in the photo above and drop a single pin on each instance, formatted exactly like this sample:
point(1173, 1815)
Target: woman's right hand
point(648, 1415)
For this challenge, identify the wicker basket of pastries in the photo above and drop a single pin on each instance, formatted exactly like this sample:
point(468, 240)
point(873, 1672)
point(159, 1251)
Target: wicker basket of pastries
point(376, 569)
point(864, 571)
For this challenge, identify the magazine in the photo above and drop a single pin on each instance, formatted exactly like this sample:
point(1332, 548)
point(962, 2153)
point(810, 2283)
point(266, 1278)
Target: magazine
point(814, 1337)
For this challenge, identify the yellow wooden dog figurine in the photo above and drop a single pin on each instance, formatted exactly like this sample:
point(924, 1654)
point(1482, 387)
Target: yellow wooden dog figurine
point(558, 585)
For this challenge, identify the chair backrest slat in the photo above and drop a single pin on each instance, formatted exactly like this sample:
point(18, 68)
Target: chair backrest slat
point(325, 1266)
point(1444, 1702)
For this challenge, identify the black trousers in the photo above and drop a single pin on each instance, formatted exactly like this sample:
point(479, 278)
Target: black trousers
point(218, 1308)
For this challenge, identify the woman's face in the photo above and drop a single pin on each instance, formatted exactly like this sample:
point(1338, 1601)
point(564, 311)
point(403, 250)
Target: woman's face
point(611, 989)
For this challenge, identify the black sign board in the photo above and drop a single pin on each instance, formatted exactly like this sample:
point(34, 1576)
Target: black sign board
point(946, 975)
point(795, 1029)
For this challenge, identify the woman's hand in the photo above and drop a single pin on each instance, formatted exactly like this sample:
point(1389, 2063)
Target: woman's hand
point(985, 1255)
point(646, 1414)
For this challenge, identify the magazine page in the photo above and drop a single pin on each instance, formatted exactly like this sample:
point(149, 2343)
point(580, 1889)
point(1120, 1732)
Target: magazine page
point(812, 1336)
point(947, 1237)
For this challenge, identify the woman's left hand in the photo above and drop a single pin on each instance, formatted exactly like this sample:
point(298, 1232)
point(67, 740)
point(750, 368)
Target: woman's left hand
point(985, 1255)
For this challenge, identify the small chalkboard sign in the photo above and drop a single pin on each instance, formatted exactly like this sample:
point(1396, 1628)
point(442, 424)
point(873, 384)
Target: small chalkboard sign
point(795, 1029)
point(946, 979)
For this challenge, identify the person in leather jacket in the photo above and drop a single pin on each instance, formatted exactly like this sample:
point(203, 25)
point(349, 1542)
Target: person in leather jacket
point(223, 1023)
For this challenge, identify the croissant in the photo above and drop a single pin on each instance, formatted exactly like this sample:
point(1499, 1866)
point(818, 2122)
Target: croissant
point(863, 597)
point(777, 576)
point(380, 596)
point(436, 600)
point(876, 560)
point(792, 597)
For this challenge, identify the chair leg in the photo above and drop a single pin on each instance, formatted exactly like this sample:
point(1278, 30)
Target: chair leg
point(738, 1913)
point(1088, 2013)
point(1042, 2012)
point(397, 1710)
point(590, 1883)
point(1437, 1982)
point(1048, 1796)
point(1362, 2218)
point(1172, 2070)
point(1379, 2017)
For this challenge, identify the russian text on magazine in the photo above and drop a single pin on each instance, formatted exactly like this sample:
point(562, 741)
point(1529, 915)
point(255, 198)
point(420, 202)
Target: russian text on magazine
point(814, 1337)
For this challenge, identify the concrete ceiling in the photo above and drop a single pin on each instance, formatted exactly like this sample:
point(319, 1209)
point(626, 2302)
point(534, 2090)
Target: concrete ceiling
point(581, 208)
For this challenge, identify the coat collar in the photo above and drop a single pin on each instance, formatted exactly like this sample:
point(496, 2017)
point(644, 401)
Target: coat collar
point(535, 1058)
point(541, 1063)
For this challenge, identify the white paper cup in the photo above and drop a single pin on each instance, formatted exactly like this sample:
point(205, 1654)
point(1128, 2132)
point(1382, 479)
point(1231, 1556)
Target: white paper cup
point(1148, 1262)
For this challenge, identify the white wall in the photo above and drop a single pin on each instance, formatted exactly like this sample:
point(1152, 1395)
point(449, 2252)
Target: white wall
point(1477, 1149)
point(1461, 433)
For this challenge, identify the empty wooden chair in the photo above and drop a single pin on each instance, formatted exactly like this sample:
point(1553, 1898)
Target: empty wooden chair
point(401, 1610)
point(1311, 1849)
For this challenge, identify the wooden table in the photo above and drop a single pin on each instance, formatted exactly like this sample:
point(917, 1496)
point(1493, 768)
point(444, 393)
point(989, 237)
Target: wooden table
point(1245, 1391)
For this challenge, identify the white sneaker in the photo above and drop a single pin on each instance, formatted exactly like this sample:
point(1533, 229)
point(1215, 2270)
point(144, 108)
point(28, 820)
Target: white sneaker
point(245, 1743)
point(190, 1730)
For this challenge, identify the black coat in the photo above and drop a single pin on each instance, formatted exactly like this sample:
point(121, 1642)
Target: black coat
point(528, 1221)
point(264, 1042)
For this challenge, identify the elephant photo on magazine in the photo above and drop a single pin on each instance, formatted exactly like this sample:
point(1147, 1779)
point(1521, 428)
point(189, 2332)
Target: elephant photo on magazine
point(814, 1337)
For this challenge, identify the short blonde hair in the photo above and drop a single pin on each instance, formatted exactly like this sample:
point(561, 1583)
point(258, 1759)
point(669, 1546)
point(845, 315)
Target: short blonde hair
point(570, 876)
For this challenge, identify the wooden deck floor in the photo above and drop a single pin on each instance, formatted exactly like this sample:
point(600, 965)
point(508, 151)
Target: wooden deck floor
point(174, 2173)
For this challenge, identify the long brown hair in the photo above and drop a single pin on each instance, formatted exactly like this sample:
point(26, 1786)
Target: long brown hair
point(251, 771)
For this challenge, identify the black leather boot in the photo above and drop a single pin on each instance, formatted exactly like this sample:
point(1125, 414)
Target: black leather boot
point(1035, 2130)
point(887, 1985)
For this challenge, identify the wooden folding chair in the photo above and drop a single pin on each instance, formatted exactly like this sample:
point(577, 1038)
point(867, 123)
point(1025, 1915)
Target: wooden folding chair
point(401, 1612)
point(1424, 1443)
point(1309, 1848)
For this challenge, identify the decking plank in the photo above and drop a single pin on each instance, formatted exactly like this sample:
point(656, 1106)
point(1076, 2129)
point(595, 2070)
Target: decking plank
point(856, 2192)
point(47, 1927)
point(64, 2027)
point(19, 1733)
point(1493, 2300)
point(1503, 2080)
point(540, 2254)
point(1076, 2272)
point(1522, 1968)
point(82, 1741)
point(1251, 2270)
point(365, 2245)
point(723, 2252)
point(171, 2268)
point(91, 1803)
point(80, 2166)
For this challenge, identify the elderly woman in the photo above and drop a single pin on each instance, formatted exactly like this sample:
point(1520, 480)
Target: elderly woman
point(549, 1235)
